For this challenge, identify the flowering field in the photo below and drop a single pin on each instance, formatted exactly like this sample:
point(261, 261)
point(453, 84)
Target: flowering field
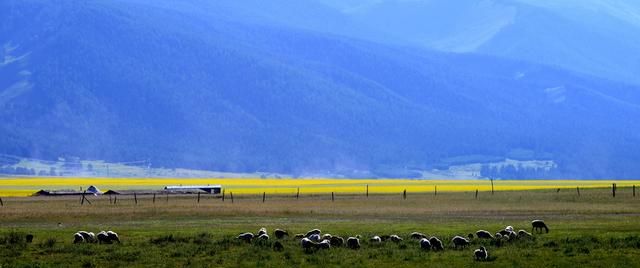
point(26, 186)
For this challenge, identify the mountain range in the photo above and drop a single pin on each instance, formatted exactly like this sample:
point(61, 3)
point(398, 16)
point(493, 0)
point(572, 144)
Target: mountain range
point(357, 88)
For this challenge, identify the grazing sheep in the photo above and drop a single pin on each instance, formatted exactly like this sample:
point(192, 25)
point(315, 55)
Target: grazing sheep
point(524, 234)
point(325, 244)
point(246, 237)
point(481, 254)
point(277, 246)
point(263, 237)
point(261, 231)
point(395, 238)
point(314, 237)
point(298, 236)
point(417, 235)
point(113, 236)
point(326, 237)
point(280, 234)
point(484, 234)
point(436, 244)
point(307, 244)
point(425, 244)
point(504, 232)
point(353, 243)
point(539, 225)
point(512, 236)
point(103, 237)
point(29, 238)
point(385, 237)
point(375, 239)
point(78, 238)
point(459, 241)
point(312, 232)
point(509, 228)
point(336, 241)
point(498, 236)
point(88, 237)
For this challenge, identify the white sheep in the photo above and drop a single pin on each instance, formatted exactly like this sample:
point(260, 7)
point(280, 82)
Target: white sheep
point(425, 244)
point(103, 237)
point(481, 254)
point(395, 238)
point(353, 243)
point(78, 238)
point(524, 234)
point(337, 241)
point(280, 234)
point(484, 234)
point(314, 237)
point(509, 228)
point(263, 237)
point(307, 244)
point(375, 239)
point(312, 232)
point(417, 235)
point(324, 244)
point(436, 244)
point(261, 231)
point(459, 241)
point(113, 236)
point(326, 237)
point(246, 237)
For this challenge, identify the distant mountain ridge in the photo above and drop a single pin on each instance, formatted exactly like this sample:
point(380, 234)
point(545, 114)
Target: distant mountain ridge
point(187, 84)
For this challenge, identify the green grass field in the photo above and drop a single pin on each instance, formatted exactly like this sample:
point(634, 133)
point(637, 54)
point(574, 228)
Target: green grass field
point(591, 230)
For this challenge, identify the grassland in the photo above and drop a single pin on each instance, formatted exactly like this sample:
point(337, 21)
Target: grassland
point(592, 229)
point(26, 186)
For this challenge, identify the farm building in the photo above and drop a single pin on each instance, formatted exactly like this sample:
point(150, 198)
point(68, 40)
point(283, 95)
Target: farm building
point(211, 189)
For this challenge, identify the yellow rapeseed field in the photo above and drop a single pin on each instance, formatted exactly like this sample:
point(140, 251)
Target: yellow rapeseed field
point(14, 186)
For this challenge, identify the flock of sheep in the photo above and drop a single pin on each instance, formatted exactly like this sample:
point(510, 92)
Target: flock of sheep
point(315, 240)
point(103, 237)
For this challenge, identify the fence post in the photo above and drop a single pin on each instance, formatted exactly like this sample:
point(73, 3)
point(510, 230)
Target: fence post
point(264, 196)
point(231, 197)
point(578, 190)
point(558, 191)
point(476, 193)
point(154, 198)
point(115, 199)
point(110, 201)
point(82, 198)
point(367, 191)
point(435, 190)
point(298, 194)
point(223, 195)
point(333, 198)
point(634, 192)
point(492, 186)
point(404, 194)
point(1, 203)
point(135, 198)
point(613, 190)
point(198, 197)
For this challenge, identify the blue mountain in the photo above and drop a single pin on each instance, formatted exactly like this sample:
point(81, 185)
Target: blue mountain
point(216, 85)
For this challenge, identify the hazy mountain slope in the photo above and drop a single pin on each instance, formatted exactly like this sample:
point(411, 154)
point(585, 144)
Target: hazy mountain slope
point(188, 86)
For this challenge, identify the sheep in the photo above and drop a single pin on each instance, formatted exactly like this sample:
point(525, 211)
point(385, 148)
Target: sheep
point(539, 225)
point(325, 244)
point(524, 234)
point(470, 236)
point(481, 254)
point(436, 244)
point(498, 236)
point(425, 244)
point(459, 241)
point(261, 231)
point(246, 237)
point(512, 236)
point(78, 238)
point(263, 237)
point(314, 237)
point(375, 239)
point(504, 232)
point(307, 244)
point(280, 234)
point(29, 238)
point(417, 235)
point(509, 228)
point(353, 243)
point(336, 241)
point(395, 238)
point(385, 237)
point(312, 232)
point(277, 246)
point(88, 236)
point(326, 237)
point(113, 236)
point(482, 234)
point(103, 237)
point(298, 236)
